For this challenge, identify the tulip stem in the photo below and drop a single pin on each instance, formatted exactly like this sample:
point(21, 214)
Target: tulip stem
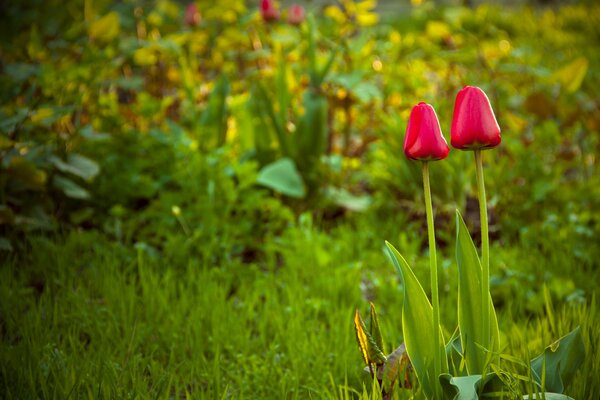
point(434, 272)
point(485, 250)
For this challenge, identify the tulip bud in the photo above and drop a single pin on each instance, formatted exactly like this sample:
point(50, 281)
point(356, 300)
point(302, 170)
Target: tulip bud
point(268, 11)
point(192, 15)
point(424, 140)
point(474, 125)
point(296, 14)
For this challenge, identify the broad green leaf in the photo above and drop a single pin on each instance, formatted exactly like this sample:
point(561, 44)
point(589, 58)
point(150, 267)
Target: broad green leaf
point(562, 359)
point(349, 201)
point(283, 177)
point(470, 303)
point(70, 188)
point(106, 28)
point(549, 396)
point(417, 326)
point(571, 75)
point(371, 353)
point(78, 165)
point(468, 387)
point(460, 388)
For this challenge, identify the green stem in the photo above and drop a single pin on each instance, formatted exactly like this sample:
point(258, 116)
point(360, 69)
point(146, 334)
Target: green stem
point(485, 250)
point(434, 273)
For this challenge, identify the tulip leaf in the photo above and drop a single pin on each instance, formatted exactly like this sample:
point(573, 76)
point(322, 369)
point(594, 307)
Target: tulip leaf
point(369, 349)
point(562, 359)
point(460, 388)
point(468, 387)
point(417, 326)
point(470, 302)
point(548, 396)
point(283, 177)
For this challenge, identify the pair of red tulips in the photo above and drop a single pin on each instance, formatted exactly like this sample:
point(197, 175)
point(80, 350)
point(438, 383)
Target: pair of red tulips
point(474, 127)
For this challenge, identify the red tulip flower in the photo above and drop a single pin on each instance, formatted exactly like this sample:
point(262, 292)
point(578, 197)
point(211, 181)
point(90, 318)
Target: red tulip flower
point(424, 140)
point(474, 125)
point(296, 14)
point(192, 15)
point(268, 10)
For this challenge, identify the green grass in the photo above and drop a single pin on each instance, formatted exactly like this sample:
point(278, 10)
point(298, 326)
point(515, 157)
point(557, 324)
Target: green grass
point(82, 317)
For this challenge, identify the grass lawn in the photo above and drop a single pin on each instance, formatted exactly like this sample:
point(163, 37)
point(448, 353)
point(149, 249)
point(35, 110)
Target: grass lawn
point(83, 317)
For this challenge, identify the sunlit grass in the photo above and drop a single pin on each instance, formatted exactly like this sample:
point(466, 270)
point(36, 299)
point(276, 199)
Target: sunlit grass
point(89, 319)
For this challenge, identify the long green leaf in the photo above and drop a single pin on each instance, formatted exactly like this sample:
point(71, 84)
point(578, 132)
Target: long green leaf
point(266, 108)
point(470, 303)
point(417, 326)
point(283, 93)
point(562, 359)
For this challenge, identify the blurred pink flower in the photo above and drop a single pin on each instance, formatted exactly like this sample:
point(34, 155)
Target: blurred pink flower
point(268, 10)
point(192, 15)
point(296, 14)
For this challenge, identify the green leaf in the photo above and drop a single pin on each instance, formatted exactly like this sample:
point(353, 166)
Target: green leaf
point(417, 325)
point(70, 188)
point(352, 202)
point(105, 28)
point(460, 388)
point(282, 90)
point(549, 396)
point(374, 328)
point(454, 354)
point(78, 165)
point(266, 109)
point(571, 75)
point(283, 177)
point(311, 136)
point(562, 359)
point(216, 113)
point(369, 349)
point(468, 387)
point(470, 303)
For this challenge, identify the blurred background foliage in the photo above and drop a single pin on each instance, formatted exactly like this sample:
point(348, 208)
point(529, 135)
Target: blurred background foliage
point(142, 146)
point(129, 118)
